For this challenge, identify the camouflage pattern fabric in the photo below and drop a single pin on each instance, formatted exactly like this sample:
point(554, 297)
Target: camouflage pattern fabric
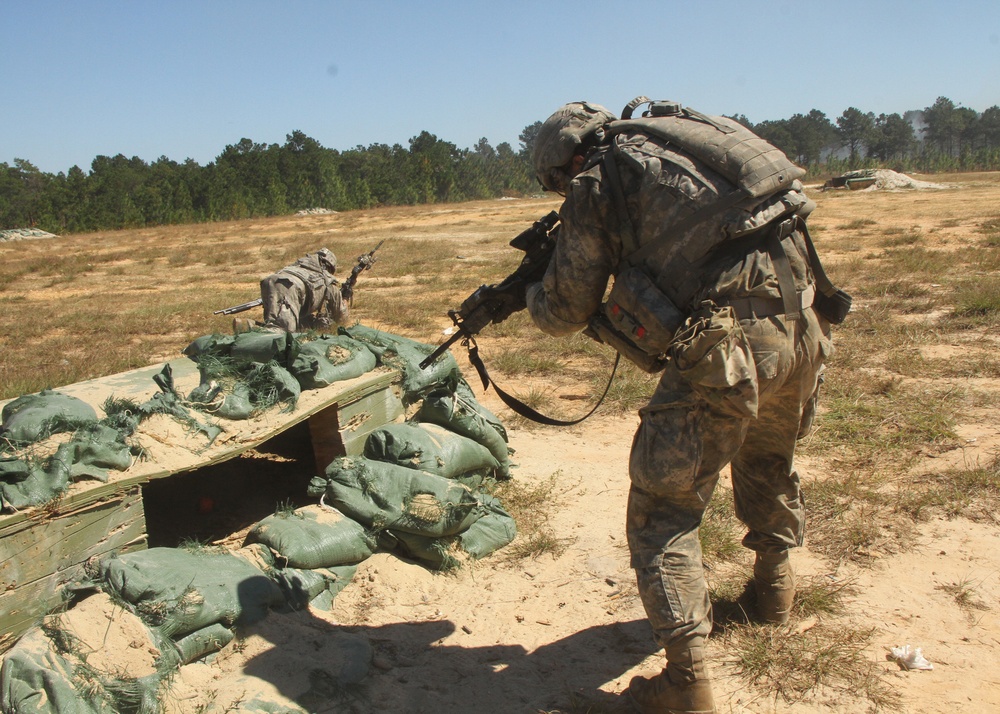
point(304, 295)
point(690, 430)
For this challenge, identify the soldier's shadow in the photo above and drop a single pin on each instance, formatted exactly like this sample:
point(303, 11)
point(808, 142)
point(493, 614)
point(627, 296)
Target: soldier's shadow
point(413, 668)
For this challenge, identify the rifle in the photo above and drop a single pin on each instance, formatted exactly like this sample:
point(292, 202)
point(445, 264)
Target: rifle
point(364, 262)
point(495, 303)
point(239, 308)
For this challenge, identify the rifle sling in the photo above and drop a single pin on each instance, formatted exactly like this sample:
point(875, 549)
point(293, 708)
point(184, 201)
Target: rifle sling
point(520, 407)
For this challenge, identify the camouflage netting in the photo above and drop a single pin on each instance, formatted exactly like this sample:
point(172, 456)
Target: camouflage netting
point(416, 491)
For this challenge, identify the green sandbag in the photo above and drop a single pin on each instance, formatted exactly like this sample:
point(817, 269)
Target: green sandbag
point(202, 642)
point(264, 346)
point(24, 484)
point(97, 448)
point(488, 534)
point(432, 552)
point(465, 395)
point(406, 355)
point(236, 404)
point(491, 532)
point(41, 677)
point(383, 495)
point(430, 448)
point(329, 359)
point(32, 417)
point(36, 678)
point(453, 412)
point(215, 344)
point(312, 537)
point(178, 591)
point(316, 587)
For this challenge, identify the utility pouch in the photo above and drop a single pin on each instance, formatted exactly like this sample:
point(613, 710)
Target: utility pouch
point(833, 306)
point(638, 309)
point(601, 329)
point(713, 355)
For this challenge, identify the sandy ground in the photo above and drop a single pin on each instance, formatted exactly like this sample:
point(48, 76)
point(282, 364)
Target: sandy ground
point(566, 633)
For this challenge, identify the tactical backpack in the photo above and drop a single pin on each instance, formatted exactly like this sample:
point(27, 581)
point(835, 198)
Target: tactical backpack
point(639, 319)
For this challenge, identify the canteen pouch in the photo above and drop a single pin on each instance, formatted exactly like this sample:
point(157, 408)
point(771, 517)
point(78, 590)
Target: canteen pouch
point(639, 309)
point(713, 355)
point(601, 329)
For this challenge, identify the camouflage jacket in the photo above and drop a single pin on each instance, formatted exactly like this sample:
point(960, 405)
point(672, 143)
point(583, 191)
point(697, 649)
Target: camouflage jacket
point(662, 186)
point(322, 289)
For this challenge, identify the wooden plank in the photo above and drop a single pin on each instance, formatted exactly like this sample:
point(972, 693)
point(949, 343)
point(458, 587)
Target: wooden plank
point(359, 419)
point(46, 546)
point(45, 555)
point(324, 433)
point(22, 608)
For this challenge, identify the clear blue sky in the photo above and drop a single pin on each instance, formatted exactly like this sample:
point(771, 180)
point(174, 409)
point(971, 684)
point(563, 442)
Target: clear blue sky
point(184, 78)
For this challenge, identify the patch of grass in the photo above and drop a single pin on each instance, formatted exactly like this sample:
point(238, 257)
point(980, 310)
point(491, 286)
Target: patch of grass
point(822, 595)
point(963, 592)
point(870, 420)
point(977, 303)
point(630, 390)
point(903, 238)
point(972, 492)
point(859, 223)
point(844, 520)
point(793, 666)
point(523, 361)
point(530, 505)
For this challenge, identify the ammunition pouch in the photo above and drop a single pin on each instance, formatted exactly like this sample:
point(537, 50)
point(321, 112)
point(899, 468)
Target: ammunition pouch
point(638, 320)
point(833, 305)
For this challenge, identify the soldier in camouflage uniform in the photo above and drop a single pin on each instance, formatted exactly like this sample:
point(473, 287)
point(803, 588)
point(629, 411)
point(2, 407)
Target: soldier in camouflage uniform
point(304, 295)
point(738, 380)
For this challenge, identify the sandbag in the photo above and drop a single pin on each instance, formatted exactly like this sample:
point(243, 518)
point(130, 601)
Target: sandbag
point(386, 496)
point(36, 677)
point(489, 533)
point(460, 415)
point(178, 591)
point(36, 416)
point(95, 449)
point(59, 668)
point(493, 531)
point(406, 355)
point(312, 537)
point(316, 587)
point(431, 448)
point(265, 346)
point(329, 359)
point(436, 553)
point(24, 484)
point(215, 344)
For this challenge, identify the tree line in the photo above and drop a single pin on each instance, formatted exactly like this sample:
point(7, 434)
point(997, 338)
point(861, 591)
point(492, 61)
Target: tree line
point(252, 180)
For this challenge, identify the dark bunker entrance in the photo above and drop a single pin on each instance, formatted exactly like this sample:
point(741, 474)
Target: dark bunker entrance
point(219, 501)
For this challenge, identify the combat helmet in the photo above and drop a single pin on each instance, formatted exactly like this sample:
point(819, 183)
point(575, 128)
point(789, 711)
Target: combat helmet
point(572, 125)
point(327, 259)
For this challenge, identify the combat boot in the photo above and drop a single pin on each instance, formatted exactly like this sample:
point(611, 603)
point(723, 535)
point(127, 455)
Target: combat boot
point(241, 325)
point(774, 582)
point(682, 688)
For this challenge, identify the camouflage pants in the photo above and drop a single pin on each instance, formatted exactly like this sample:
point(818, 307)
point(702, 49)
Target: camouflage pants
point(678, 451)
point(284, 298)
